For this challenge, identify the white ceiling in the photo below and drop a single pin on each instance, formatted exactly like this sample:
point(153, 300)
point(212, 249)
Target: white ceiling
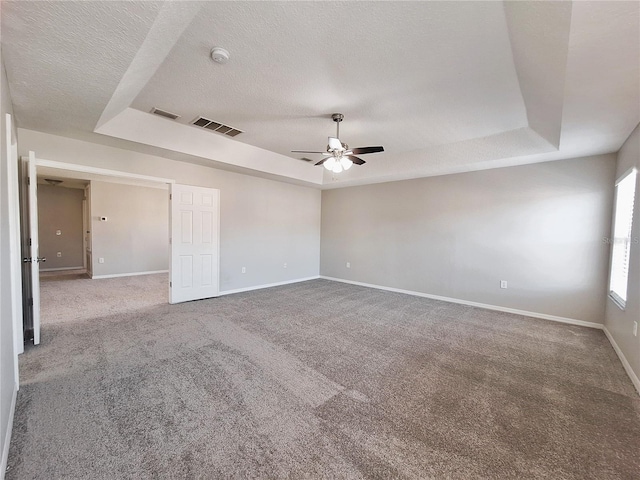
point(444, 86)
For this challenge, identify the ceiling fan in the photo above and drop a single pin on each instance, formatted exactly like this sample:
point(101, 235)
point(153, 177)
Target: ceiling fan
point(339, 156)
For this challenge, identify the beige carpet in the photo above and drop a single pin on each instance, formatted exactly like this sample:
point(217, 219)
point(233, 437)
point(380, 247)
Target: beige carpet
point(315, 380)
point(68, 298)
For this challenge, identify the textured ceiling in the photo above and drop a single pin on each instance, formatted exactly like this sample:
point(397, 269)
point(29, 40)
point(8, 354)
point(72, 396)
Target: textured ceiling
point(444, 86)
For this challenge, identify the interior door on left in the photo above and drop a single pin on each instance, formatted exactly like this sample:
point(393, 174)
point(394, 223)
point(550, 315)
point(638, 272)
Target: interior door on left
point(30, 250)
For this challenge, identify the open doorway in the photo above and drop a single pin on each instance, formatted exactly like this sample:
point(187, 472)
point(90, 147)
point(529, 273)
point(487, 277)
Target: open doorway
point(106, 244)
point(62, 225)
point(193, 214)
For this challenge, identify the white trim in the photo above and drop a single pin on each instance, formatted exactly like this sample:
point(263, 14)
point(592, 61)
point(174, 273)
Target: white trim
point(7, 437)
point(615, 298)
point(61, 269)
point(625, 363)
point(268, 285)
point(100, 171)
point(132, 274)
point(625, 174)
point(15, 254)
point(544, 316)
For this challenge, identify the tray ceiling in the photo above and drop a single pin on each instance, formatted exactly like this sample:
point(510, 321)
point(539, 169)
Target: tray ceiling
point(445, 86)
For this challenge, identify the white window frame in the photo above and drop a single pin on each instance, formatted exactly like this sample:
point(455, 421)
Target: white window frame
point(621, 242)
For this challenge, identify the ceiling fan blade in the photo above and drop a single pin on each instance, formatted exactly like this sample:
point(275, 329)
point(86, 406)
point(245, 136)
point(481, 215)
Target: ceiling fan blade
point(363, 150)
point(304, 151)
point(356, 160)
point(322, 161)
point(335, 144)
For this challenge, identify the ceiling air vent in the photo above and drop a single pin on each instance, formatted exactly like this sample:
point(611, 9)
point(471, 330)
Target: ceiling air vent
point(164, 113)
point(216, 126)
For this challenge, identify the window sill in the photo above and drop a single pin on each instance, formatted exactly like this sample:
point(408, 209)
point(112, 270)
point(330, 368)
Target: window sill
point(621, 304)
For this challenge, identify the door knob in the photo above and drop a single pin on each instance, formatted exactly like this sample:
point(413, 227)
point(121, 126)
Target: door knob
point(26, 260)
point(41, 259)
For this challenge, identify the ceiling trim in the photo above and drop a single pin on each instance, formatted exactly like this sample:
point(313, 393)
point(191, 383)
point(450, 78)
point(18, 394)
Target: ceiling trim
point(148, 129)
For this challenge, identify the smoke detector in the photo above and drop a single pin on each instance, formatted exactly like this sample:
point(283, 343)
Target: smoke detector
point(219, 55)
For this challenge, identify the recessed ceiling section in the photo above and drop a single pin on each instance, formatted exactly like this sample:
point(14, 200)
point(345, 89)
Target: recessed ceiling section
point(430, 82)
point(475, 154)
point(443, 86)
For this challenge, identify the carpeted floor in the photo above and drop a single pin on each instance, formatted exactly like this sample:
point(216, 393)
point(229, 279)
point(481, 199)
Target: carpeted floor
point(316, 380)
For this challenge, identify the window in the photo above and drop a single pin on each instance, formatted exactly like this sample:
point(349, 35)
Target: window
point(621, 245)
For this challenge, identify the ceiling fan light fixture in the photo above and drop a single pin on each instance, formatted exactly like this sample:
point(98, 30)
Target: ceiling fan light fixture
point(346, 163)
point(330, 163)
point(339, 157)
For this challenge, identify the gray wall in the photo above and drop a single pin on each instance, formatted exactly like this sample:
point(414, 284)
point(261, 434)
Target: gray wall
point(8, 357)
point(60, 208)
point(135, 237)
point(540, 227)
point(263, 223)
point(620, 322)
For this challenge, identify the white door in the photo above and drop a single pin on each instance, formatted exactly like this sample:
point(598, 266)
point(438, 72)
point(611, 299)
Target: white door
point(34, 250)
point(195, 243)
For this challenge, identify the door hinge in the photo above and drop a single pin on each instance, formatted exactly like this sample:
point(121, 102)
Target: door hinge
point(171, 284)
point(30, 302)
point(29, 242)
point(169, 240)
point(28, 181)
point(170, 197)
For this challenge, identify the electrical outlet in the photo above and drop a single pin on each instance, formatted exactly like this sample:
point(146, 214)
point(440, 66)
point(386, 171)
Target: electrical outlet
point(348, 264)
point(285, 265)
point(503, 284)
point(59, 254)
point(100, 260)
point(244, 269)
point(635, 329)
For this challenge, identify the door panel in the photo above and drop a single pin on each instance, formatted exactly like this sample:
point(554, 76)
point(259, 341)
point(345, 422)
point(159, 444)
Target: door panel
point(195, 234)
point(30, 250)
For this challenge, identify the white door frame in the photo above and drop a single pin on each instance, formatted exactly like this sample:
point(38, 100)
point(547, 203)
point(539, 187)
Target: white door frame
point(74, 167)
point(15, 253)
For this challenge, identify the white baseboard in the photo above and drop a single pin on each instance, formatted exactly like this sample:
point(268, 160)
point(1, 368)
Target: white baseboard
point(7, 437)
point(268, 285)
point(625, 363)
point(544, 316)
point(133, 274)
